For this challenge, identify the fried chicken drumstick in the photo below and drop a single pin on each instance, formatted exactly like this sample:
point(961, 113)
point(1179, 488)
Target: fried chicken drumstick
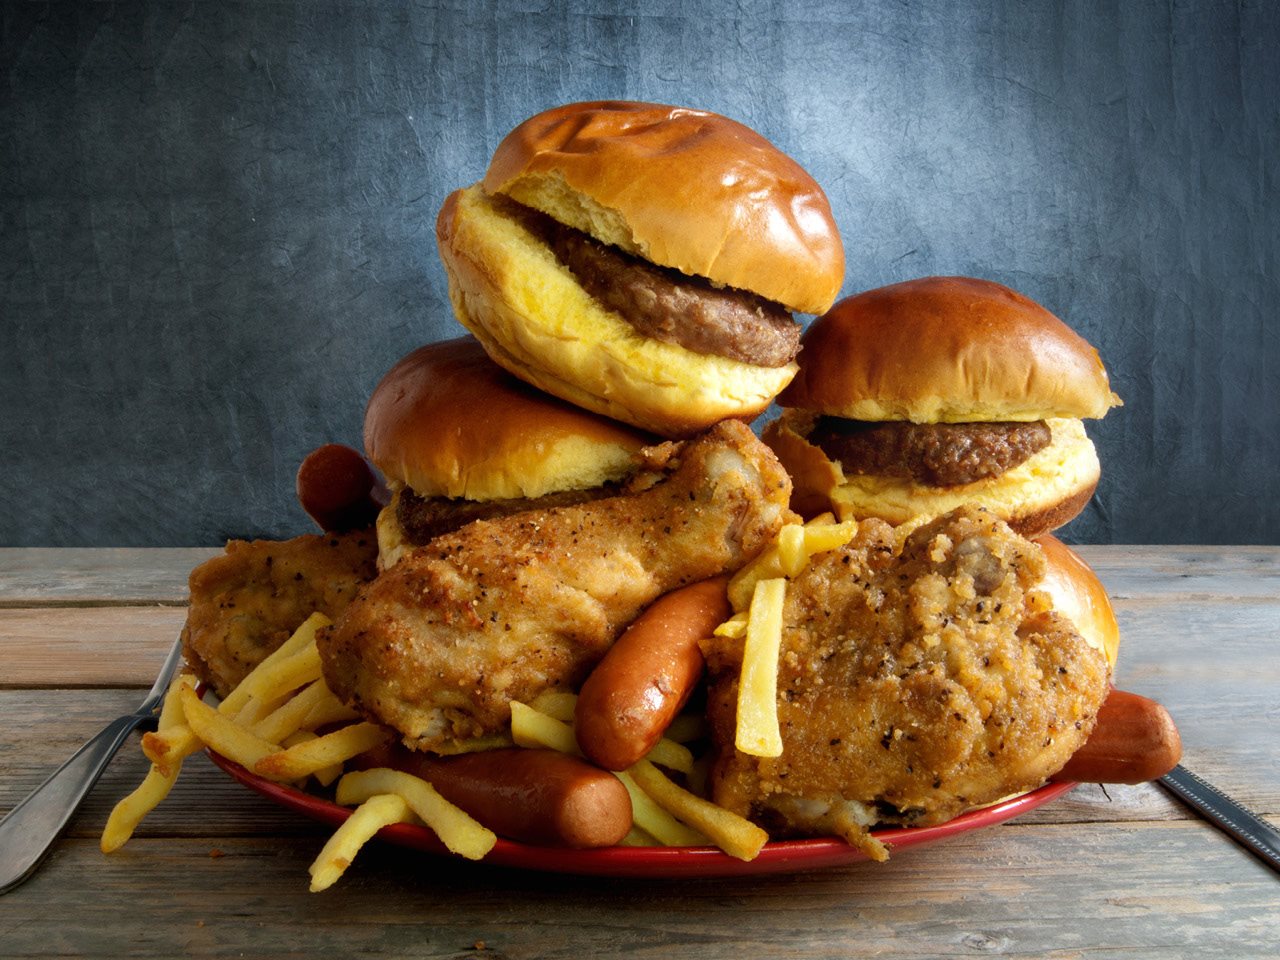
point(440, 644)
point(915, 681)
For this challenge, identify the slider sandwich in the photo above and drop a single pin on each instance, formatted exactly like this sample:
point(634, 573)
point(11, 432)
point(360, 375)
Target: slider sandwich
point(458, 439)
point(916, 398)
point(642, 261)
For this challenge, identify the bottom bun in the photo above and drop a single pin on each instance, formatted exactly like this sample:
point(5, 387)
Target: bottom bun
point(1079, 595)
point(537, 321)
point(1037, 496)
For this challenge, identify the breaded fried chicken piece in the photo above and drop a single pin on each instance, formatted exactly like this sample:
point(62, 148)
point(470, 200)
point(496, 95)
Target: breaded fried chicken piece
point(247, 602)
point(439, 645)
point(915, 682)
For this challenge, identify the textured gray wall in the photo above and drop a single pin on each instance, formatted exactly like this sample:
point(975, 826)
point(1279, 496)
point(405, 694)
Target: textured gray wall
point(216, 219)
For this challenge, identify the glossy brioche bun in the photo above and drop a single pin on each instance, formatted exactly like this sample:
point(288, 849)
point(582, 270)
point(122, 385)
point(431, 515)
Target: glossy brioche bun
point(1079, 595)
point(534, 319)
point(448, 422)
point(681, 188)
point(1040, 494)
point(947, 350)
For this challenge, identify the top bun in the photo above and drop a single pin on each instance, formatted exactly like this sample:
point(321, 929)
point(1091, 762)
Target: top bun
point(685, 189)
point(947, 350)
point(449, 422)
point(1079, 595)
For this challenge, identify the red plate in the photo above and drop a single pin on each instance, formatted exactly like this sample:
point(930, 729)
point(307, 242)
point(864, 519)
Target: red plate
point(784, 856)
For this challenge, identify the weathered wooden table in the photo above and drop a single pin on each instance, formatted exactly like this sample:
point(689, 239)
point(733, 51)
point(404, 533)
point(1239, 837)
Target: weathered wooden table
point(216, 870)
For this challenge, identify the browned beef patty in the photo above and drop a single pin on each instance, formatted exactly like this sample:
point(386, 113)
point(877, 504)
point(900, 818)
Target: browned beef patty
point(425, 518)
point(937, 454)
point(667, 305)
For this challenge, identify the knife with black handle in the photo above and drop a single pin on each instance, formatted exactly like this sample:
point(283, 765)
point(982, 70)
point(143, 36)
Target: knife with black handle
point(1251, 831)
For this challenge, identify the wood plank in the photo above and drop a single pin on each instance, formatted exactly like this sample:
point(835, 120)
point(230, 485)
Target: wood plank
point(35, 576)
point(1143, 891)
point(86, 646)
point(1189, 572)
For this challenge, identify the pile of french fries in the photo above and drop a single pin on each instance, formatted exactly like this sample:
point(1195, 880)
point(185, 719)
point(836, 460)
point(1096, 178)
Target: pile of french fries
point(268, 724)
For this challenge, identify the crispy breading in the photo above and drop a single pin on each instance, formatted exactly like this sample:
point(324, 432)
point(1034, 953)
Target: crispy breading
point(916, 680)
point(440, 644)
point(247, 602)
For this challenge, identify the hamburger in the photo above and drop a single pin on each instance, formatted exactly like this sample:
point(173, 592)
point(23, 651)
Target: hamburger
point(915, 398)
point(458, 439)
point(642, 261)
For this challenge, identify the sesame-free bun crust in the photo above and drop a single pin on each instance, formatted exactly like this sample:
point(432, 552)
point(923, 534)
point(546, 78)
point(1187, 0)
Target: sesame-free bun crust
point(535, 319)
point(947, 350)
point(1079, 595)
point(1038, 495)
point(682, 188)
point(448, 422)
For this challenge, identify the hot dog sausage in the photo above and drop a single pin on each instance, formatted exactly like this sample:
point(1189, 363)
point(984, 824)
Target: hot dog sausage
point(635, 692)
point(337, 488)
point(1134, 741)
point(535, 796)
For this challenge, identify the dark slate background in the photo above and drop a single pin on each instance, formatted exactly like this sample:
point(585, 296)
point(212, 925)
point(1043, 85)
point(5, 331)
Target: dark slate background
point(216, 219)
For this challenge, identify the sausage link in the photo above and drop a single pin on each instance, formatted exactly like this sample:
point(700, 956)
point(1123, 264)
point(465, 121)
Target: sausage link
point(635, 692)
point(337, 489)
point(1135, 740)
point(534, 796)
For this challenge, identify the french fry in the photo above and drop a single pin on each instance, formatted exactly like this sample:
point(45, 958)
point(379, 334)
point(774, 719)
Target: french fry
point(457, 830)
point(822, 538)
point(174, 741)
point(638, 838)
point(674, 756)
point(223, 734)
point(494, 741)
point(758, 733)
point(327, 711)
point(370, 817)
point(556, 703)
point(734, 627)
point(304, 759)
point(290, 716)
point(300, 638)
point(165, 748)
point(531, 728)
point(254, 710)
point(791, 553)
point(128, 813)
point(766, 566)
point(651, 818)
point(285, 676)
point(733, 834)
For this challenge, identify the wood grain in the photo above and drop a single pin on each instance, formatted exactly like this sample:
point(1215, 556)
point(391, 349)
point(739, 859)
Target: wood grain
point(1015, 890)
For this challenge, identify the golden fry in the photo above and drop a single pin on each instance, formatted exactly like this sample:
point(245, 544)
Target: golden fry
point(370, 817)
point(674, 756)
point(530, 728)
point(306, 758)
point(302, 637)
point(655, 821)
point(222, 734)
point(758, 733)
point(559, 704)
point(733, 834)
point(128, 813)
point(457, 829)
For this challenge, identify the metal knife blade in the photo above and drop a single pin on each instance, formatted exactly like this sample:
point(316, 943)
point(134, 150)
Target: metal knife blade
point(1251, 831)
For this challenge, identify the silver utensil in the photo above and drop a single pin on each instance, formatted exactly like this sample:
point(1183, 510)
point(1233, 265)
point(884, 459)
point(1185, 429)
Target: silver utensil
point(29, 829)
point(1251, 831)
